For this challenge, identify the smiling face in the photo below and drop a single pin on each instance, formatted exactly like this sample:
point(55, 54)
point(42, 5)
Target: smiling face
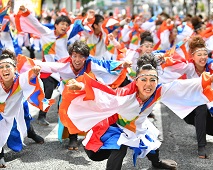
point(146, 47)
point(200, 57)
point(78, 61)
point(61, 28)
point(146, 82)
point(7, 70)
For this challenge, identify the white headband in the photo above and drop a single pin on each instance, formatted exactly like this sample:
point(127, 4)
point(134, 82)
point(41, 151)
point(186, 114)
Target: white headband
point(8, 60)
point(200, 49)
point(140, 75)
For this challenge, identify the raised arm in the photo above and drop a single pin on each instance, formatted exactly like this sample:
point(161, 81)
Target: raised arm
point(26, 22)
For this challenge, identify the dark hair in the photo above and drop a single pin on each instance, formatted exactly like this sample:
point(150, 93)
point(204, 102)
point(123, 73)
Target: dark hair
point(62, 18)
point(164, 14)
point(98, 19)
point(200, 16)
point(146, 62)
point(83, 14)
point(48, 18)
point(187, 19)
point(196, 23)
point(133, 16)
point(146, 36)
point(189, 15)
point(8, 54)
point(158, 22)
point(79, 47)
point(111, 14)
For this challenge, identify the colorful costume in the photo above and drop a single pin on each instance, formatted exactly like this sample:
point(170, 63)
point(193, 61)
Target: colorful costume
point(11, 104)
point(98, 102)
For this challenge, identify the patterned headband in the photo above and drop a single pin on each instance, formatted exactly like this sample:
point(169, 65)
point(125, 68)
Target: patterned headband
point(200, 49)
point(146, 75)
point(8, 60)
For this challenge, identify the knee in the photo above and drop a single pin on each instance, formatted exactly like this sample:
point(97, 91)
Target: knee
point(123, 150)
point(95, 156)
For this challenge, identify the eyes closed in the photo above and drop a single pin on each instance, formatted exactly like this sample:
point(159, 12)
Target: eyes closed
point(144, 79)
point(7, 66)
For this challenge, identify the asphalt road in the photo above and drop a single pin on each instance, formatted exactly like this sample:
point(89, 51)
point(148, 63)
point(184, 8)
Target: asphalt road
point(179, 143)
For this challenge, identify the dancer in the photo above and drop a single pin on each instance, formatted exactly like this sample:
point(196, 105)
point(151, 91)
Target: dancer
point(175, 67)
point(13, 89)
point(131, 123)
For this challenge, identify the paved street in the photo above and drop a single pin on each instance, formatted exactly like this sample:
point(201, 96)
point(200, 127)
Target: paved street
point(179, 143)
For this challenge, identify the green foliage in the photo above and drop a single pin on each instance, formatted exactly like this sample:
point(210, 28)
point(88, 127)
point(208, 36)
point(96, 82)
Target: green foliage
point(85, 1)
point(201, 6)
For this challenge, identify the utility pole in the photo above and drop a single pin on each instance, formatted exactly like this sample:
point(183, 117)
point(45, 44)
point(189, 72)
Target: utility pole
point(130, 3)
point(195, 7)
point(69, 5)
point(209, 8)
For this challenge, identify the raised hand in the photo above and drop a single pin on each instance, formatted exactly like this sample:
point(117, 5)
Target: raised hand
point(9, 3)
point(90, 14)
point(127, 64)
point(111, 36)
point(22, 8)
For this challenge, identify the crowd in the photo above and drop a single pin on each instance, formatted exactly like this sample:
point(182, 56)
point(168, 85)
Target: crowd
point(110, 73)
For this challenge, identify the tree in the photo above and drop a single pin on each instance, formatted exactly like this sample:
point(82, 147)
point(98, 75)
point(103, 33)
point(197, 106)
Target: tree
point(83, 2)
point(57, 3)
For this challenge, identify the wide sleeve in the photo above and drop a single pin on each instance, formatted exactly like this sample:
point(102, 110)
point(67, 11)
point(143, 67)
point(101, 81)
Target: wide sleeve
point(25, 63)
point(183, 96)
point(80, 110)
point(33, 91)
point(173, 68)
point(109, 72)
point(26, 22)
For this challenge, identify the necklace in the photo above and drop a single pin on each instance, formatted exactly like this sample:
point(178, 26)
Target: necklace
point(198, 72)
point(6, 89)
point(139, 100)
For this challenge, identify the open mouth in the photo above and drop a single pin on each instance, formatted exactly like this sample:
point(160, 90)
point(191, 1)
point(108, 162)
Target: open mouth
point(77, 64)
point(63, 30)
point(6, 75)
point(147, 90)
point(203, 62)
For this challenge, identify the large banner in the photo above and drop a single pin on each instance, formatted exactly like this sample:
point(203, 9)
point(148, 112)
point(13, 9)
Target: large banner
point(32, 5)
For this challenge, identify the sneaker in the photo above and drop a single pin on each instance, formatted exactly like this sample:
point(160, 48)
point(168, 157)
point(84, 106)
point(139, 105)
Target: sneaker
point(42, 121)
point(2, 163)
point(73, 144)
point(165, 164)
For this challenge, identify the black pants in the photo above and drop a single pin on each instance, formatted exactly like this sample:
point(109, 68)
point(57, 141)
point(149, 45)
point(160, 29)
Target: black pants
point(115, 157)
point(203, 122)
point(32, 52)
point(2, 153)
point(49, 85)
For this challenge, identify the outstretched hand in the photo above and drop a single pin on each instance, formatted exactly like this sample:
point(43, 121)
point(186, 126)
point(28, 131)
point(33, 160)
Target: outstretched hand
point(9, 3)
point(160, 59)
point(22, 8)
point(111, 36)
point(74, 85)
point(127, 64)
point(36, 70)
point(90, 14)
